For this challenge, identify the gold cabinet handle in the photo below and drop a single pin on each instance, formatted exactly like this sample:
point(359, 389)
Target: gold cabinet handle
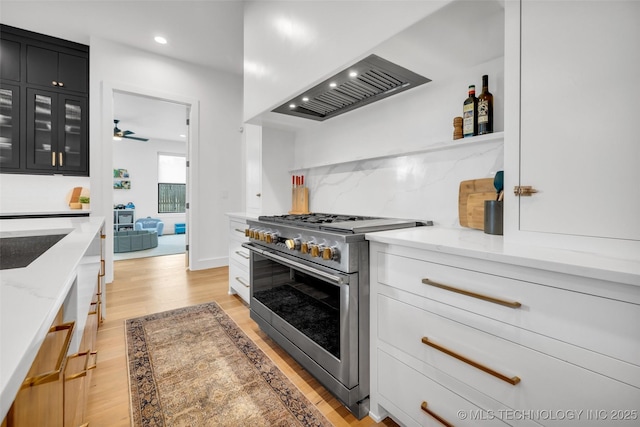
point(94, 307)
point(510, 304)
point(512, 380)
point(102, 268)
point(434, 415)
point(98, 305)
point(242, 254)
point(53, 158)
point(87, 354)
point(50, 376)
point(60, 158)
point(94, 310)
point(242, 282)
point(524, 190)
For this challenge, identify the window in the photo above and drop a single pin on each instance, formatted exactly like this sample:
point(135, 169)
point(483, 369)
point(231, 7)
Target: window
point(172, 178)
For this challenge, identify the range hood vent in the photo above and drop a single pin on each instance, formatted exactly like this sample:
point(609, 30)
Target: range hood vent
point(367, 81)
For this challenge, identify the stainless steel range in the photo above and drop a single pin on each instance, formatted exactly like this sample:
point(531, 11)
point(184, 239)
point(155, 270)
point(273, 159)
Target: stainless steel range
point(310, 292)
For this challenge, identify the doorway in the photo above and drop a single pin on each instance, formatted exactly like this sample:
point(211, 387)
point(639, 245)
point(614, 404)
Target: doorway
point(150, 151)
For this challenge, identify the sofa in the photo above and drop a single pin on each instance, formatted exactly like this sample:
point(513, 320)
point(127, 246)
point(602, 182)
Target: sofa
point(149, 224)
point(128, 241)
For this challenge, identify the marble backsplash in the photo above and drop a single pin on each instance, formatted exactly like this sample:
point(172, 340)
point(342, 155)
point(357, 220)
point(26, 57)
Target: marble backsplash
point(420, 186)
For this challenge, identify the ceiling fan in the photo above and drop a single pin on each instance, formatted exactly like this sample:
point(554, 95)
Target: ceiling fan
point(125, 134)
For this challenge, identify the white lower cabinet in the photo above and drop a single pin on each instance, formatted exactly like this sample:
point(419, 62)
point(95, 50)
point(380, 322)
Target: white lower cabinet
point(420, 401)
point(239, 280)
point(238, 258)
point(486, 346)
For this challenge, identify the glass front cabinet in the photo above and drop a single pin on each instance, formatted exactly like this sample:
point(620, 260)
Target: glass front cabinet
point(56, 131)
point(9, 126)
point(44, 120)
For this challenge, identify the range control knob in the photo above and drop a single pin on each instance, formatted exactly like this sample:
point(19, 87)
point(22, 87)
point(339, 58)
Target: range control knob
point(328, 253)
point(315, 251)
point(271, 237)
point(292, 244)
point(247, 232)
point(304, 247)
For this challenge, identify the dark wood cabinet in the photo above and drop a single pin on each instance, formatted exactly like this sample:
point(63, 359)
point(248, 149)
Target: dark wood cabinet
point(44, 94)
point(56, 131)
point(9, 126)
point(47, 67)
point(10, 59)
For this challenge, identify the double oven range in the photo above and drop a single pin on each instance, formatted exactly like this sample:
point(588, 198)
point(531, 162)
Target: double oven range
point(309, 288)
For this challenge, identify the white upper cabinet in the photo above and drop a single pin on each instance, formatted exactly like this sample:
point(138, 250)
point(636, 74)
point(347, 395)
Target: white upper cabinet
point(578, 124)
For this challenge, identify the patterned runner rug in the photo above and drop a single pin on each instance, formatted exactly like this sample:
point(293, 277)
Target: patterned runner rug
point(194, 367)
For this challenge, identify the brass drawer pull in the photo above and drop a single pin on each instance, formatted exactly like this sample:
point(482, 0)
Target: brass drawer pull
point(510, 304)
point(95, 308)
point(242, 254)
point(53, 158)
point(55, 374)
point(242, 282)
point(87, 367)
point(60, 158)
point(512, 380)
point(434, 415)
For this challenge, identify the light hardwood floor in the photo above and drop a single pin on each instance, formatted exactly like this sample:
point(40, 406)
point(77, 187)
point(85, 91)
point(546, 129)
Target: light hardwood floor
point(150, 285)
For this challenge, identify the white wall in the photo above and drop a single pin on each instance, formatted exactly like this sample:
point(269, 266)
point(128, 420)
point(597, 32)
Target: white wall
point(37, 193)
point(216, 150)
point(289, 46)
point(140, 159)
point(442, 47)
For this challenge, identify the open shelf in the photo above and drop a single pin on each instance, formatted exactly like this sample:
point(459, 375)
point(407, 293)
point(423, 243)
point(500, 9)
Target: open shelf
point(492, 138)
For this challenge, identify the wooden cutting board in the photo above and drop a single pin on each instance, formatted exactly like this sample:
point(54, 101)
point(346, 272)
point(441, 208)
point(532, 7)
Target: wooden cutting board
point(471, 199)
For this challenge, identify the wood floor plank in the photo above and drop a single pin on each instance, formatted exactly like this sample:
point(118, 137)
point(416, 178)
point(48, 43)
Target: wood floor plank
point(150, 285)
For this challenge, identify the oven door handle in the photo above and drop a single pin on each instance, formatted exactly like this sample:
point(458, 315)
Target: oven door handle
point(336, 279)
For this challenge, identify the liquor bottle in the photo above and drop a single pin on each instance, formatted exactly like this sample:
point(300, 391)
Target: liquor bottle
point(470, 113)
point(485, 108)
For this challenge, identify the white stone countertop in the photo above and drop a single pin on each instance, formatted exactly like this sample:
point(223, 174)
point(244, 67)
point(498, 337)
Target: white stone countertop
point(477, 244)
point(47, 213)
point(241, 215)
point(30, 297)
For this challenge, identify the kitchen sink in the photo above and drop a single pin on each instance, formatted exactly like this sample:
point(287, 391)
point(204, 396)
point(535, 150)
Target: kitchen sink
point(20, 251)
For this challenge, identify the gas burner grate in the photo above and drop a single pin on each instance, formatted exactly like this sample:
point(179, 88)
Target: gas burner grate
point(314, 218)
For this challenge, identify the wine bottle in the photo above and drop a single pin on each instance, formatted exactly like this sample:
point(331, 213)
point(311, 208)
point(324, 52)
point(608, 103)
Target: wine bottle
point(470, 113)
point(485, 108)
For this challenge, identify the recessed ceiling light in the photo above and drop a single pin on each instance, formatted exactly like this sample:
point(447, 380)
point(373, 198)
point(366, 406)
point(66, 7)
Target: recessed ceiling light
point(292, 106)
point(305, 99)
point(183, 136)
point(353, 74)
point(160, 39)
point(332, 84)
